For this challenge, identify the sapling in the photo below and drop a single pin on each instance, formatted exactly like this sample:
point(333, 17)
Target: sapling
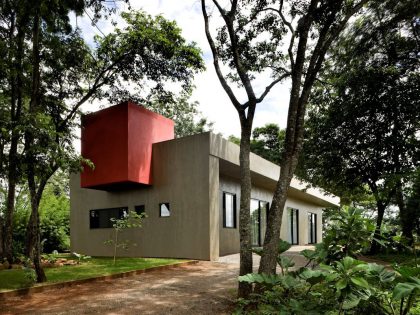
point(129, 220)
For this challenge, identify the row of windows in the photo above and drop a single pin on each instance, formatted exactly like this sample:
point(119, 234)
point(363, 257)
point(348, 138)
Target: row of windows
point(259, 212)
point(101, 218)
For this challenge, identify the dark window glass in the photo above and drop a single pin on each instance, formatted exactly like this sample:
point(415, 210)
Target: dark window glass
point(293, 225)
point(312, 228)
point(165, 210)
point(101, 218)
point(229, 210)
point(140, 209)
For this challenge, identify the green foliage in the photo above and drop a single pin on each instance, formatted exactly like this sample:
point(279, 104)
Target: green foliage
point(80, 257)
point(128, 221)
point(267, 142)
point(54, 217)
point(349, 233)
point(349, 286)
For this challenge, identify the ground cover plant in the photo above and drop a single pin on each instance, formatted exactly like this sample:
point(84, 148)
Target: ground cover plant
point(12, 279)
point(335, 281)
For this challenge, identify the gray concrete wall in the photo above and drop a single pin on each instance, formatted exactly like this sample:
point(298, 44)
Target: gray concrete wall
point(229, 238)
point(180, 177)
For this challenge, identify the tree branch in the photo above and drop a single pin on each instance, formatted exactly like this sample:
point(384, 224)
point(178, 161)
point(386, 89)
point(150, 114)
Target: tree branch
point(271, 85)
point(213, 48)
point(292, 31)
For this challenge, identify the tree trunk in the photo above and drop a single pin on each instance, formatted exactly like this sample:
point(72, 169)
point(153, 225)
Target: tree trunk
point(1, 239)
point(407, 219)
point(33, 247)
point(268, 262)
point(16, 83)
point(10, 202)
point(244, 289)
point(375, 246)
point(33, 244)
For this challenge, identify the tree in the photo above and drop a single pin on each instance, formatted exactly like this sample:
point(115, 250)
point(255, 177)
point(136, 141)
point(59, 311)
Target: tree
point(310, 28)
point(267, 142)
point(128, 220)
point(65, 73)
point(248, 43)
point(188, 119)
point(362, 128)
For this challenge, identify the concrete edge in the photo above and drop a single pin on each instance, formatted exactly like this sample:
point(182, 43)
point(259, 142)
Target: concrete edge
point(30, 290)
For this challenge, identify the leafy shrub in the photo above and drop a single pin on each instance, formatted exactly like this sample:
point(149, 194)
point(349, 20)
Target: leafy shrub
point(331, 285)
point(348, 234)
point(349, 286)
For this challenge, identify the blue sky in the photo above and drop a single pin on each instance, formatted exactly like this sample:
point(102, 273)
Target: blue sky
point(214, 104)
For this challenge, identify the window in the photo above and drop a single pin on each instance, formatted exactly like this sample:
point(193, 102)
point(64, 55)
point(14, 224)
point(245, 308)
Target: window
point(311, 228)
point(229, 210)
point(259, 210)
point(101, 218)
point(293, 225)
point(165, 210)
point(139, 209)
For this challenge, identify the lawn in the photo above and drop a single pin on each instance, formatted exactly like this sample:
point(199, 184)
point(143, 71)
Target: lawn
point(96, 266)
point(399, 258)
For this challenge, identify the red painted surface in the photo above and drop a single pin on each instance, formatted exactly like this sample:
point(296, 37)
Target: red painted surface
point(118, 140)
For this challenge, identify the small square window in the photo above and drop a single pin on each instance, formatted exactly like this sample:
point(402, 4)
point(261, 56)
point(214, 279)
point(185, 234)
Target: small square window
point(165, 211)
point(139, 209)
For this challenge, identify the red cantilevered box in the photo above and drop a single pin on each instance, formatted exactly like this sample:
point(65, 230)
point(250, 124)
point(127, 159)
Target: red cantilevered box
point(118, 140)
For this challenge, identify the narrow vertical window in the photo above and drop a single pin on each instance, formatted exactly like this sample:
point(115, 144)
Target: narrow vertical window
point(255, 222)
point(293, 225)
point(229, 210)
point(165, 210)
point(312, 228)
point(263, 220)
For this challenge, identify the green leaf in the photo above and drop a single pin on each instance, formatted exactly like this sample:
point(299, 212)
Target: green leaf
point(283, 246)
point(360, 282)
point(404, 289)
point(341, 284)
point(350, 302)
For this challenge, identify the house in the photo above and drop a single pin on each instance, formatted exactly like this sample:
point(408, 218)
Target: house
point(188, 187)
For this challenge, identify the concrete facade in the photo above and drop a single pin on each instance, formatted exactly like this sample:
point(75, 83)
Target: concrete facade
point(190, 174)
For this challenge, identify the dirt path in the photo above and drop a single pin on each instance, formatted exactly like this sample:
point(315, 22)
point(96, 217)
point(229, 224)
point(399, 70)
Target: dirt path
point(203, 288)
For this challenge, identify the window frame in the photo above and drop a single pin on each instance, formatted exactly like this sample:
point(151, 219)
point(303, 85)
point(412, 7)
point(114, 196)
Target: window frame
point(311, 224)
point(120, 215)
point(234, 218)
point(294, 210)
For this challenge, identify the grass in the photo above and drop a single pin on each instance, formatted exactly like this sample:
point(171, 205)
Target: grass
point(399, 258)
point(13, 279)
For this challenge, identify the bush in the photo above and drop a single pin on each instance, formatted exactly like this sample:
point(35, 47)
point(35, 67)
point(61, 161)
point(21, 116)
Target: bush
point(348, 234)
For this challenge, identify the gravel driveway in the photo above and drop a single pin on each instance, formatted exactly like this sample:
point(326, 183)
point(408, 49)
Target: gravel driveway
point(202, 288)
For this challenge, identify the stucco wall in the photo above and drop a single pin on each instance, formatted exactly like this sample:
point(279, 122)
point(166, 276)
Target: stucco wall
point(229, 238)
point(180, 170)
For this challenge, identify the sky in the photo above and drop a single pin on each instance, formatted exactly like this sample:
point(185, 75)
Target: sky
point(214, 103)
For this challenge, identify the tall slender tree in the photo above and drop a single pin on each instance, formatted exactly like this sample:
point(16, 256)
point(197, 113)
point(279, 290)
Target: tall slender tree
point(249, 44)
point(299, 35)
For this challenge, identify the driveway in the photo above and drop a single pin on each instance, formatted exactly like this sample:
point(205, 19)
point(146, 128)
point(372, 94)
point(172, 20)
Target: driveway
point(203, 288)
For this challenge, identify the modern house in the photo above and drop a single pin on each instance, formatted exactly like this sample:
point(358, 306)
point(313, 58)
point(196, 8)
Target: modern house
point(188, 187)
